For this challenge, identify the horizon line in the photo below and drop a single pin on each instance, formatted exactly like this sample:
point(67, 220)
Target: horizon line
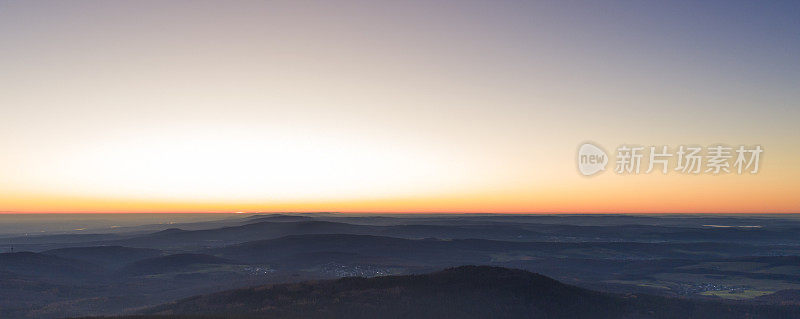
point(389, 213)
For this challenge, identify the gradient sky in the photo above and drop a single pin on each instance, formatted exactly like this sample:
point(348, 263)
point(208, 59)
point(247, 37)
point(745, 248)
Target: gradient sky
point(403, 106)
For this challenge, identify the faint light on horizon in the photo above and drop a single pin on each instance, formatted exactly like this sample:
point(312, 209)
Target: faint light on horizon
point(193, 164)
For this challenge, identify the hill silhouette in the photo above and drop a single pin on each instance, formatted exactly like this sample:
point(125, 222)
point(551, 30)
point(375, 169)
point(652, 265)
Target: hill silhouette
point(171, 263)
point(462, 292)
point(111, 256)
point(48, 266)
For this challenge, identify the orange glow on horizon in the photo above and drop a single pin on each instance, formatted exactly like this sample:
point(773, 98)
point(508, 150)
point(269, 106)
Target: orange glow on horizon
point(387, 107)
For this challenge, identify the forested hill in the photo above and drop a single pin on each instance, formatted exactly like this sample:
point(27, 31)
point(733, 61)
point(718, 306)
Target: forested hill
point(462, 292)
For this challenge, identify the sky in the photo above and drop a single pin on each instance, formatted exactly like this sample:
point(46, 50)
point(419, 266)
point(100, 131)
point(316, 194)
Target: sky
point(391, 106)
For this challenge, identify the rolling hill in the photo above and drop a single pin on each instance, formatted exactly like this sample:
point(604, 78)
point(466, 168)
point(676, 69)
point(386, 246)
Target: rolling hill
point(171, 263)
point(462, 292)
point(110, 256)
point(36, 265)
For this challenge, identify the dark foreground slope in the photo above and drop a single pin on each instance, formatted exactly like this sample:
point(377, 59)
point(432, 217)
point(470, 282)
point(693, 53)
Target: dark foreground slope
point(463, 292)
